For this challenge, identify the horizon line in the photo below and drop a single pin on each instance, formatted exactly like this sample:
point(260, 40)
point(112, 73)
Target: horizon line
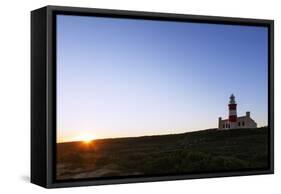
point(58, 142)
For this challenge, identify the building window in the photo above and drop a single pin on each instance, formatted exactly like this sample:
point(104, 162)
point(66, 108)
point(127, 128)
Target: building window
point(238, 123)
point(243, 123)
point(223, 126)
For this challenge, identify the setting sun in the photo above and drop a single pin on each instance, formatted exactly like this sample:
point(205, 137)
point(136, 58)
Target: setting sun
point(86, 137)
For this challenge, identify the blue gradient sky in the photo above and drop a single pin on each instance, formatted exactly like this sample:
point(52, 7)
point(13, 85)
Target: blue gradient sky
point(125, 77)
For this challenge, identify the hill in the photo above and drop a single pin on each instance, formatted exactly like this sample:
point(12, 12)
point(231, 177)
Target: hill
point(194, 152)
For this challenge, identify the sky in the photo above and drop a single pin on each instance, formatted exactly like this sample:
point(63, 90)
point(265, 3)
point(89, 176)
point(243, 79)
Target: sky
point(128, 77)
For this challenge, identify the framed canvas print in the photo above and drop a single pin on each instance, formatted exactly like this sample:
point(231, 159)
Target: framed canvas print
point(126, 96)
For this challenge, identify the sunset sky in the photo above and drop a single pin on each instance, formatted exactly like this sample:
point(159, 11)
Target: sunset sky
point(128, 77)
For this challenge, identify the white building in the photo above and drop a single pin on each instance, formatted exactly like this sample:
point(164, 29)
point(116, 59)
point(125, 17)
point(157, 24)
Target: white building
point(233, 121)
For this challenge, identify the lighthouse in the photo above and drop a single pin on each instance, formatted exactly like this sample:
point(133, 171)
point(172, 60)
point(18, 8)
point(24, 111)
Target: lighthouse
point(232, 117)
point(233, 121)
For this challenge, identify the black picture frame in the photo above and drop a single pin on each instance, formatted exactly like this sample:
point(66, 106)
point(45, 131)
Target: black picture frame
point(43, 92)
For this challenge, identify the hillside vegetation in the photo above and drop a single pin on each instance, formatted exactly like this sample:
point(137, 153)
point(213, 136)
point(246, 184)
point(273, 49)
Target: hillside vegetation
point(194, 152)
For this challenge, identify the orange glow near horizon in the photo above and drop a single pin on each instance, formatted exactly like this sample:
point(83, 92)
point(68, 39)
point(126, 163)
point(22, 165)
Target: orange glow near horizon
point(85, 138)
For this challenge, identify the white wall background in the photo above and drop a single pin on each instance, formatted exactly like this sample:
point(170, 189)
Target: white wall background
point(15, 95)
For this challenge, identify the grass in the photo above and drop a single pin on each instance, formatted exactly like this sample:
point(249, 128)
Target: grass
point(194, 152)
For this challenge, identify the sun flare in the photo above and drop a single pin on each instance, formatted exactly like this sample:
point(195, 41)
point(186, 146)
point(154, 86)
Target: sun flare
point(86, 138)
